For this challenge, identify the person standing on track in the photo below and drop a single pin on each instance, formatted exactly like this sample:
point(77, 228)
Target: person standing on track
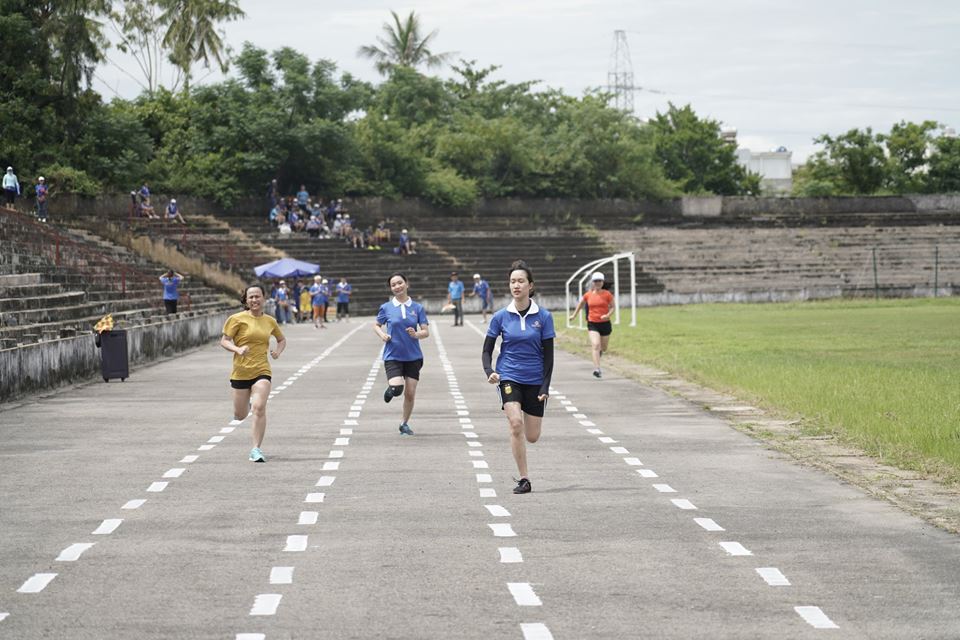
point(599, 303)
point(247, 335)
point(481, 289)
point(455, 298)
point(402, 323)
point(318, 302)
point(524, 367)
point(344, 291)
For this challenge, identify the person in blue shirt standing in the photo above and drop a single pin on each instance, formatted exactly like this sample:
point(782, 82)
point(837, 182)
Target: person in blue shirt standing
point(318, 302)
point(303, 197)
point(42, 194)
point(481, 289)
point(171, 294)
point(402, 323)
point(344, 291)
point(524, 367)
point(455, 297)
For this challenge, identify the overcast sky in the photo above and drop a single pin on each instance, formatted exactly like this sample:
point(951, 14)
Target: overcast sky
point(780, 73)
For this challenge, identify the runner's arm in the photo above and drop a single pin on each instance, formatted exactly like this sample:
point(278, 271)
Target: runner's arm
point(547, 366)
point(487, 356)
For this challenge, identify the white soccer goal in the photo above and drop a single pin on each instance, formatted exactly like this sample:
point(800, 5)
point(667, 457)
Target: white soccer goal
point(582, 276)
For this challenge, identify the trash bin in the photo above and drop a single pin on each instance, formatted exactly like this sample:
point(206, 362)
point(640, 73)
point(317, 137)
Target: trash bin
point(113, 354)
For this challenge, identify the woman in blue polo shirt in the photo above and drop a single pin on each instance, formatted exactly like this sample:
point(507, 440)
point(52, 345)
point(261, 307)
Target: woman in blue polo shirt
point(524, 367)
point(401, 323)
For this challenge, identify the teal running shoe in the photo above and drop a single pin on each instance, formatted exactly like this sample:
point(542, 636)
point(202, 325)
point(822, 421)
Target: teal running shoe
point(405, 430)
point(256, 455)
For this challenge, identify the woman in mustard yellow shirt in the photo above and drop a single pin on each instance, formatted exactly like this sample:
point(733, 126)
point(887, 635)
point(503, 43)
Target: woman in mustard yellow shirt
point(247, 335)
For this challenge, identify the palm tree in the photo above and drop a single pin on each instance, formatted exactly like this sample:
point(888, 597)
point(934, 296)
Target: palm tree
point(403, 46)
point(192, 34)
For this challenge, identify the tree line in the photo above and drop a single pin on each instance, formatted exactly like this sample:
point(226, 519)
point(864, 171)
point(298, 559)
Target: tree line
point(284, 116)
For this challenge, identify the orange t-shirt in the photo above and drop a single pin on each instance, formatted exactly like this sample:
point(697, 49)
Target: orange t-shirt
point(598, 304)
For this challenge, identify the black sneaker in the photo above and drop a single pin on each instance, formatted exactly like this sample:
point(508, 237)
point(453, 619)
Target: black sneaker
point(597, 374)
point(387, 395)
point(523, 486)
point(405, 430)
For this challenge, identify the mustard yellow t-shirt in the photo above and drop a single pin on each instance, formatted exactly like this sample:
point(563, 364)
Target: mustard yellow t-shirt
point(246, 329)
point(305, 300)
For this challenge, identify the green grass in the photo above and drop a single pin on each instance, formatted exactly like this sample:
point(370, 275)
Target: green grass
point(883, 375)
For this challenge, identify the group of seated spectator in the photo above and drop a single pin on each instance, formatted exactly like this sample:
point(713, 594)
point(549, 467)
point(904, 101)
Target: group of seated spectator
point(140, 207)
point(300, 213)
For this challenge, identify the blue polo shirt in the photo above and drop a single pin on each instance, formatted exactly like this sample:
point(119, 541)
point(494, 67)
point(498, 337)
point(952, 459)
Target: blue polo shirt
point(170, 288)
point(455, 289)
point(521, 345)
point(318, 295)
point(397, 317)
point(343, 292)
point(481, 289)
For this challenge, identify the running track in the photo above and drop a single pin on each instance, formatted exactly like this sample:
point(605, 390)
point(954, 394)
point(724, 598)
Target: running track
point(129, 510)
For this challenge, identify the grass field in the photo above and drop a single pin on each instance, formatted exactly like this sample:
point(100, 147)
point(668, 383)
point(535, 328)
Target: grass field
point(884, 375)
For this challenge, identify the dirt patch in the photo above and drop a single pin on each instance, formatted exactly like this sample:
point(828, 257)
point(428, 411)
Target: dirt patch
point(924, 497)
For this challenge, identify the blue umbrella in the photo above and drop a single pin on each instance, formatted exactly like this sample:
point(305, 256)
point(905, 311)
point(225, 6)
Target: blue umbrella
point(286, 268)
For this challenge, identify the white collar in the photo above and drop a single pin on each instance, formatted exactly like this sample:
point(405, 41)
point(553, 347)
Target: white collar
point(403, 305)
point(512, 308)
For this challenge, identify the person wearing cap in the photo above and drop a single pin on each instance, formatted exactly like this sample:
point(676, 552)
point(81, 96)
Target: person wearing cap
point(524, 367)
point(173, 212)
point(599, 303)
point(402, 323)
point(406, 244)
point(11, 186)
point(344, 291)
point(42, 193)
point(455, 297)
point(282, 297)
point(481, 289)
point(318, 302)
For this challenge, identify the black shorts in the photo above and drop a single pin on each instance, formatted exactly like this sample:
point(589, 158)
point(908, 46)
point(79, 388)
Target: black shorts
point(525, 394)
point(603, 328)
point(343, 307)
point(247, 384)
point(403, 368)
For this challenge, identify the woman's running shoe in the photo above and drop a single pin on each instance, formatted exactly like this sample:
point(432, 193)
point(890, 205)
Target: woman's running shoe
point(405, 430)
point(256, 455)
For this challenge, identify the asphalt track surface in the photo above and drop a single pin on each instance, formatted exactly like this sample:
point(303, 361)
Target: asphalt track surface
point(648, 519)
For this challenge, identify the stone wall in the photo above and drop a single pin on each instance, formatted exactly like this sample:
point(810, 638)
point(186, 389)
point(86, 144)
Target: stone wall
point(48, 364)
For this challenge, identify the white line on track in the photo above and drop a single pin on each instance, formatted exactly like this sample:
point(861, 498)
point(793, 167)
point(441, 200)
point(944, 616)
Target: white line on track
point(3, 615)
point(475, 454)
point(341, 442)
point(594, 431)
point(265, 604)
point(523, 594)
point(189, 459)
point(709, 524)
point(281, 575)
point(607, 440)
point(296, 543)
point(510, 555)
point(587, 423)
point(74, 551)
point(480, 464)
point(330, 466)
point(346, 432)
point(157, 487)
point(174, 473)
point(633, 462)
point(251, 636)
point(664, 488)
point(206, 447)
point(681, 503)
point(474, 444)
point(215, 439)
point(497, 510)
point(535, 631)
point(619, 450)
point(335, 453)
point(134, 504)
point(308, 517)
point(325, 481)
point(647, 473)
point(488, 493)
point(815, 617)
point(735, 549)
point(227, 429)
point(484, 477)
point(502, 530)
point(470, 434)
point(36, 583)
point(314, 497)
point(107, 527)
point(773, 577)
point(580, 416)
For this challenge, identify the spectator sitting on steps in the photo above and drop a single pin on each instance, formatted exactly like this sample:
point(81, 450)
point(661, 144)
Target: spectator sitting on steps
point(407, 246)
point(173, 212)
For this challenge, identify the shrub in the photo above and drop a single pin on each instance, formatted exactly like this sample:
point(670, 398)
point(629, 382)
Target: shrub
point(444, 187)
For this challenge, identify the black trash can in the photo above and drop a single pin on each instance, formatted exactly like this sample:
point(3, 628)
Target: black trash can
point(113, 354)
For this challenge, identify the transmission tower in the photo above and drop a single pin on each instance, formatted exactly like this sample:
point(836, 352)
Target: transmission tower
point(620, 75)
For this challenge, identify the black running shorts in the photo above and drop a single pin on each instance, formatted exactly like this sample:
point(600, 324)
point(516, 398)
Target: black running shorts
point(247, 384)
point(525, 394)
point(603, 328)
point(403, 368)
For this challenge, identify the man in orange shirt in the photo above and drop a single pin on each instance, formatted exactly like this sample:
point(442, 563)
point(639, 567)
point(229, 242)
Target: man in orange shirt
point(599, 303)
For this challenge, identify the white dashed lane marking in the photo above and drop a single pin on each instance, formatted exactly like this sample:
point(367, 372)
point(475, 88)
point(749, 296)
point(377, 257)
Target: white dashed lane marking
point(633, 462)
point(708, 524)
point(314, 497)
point(251, 636)
point(308, 517)
point(330, 466)
point(773, 577)
point(296, 543)
point(325, 481)
point(647, 473)
point(488, 493)
point(484, 478)
point(74, 551)
point(174, 473)
point(523, 594)
point(189, 459)
point(107, 527)
point(815, 617)
point(683, 504)
point(265, 604)
point(36, 583)
point(157, 487)
point(281, 575)
point(535, 631)
point(735, 549)
point(510, 555)
point(497, 510)
point(502, 530)
point(664, 488)
point(620, 450)
point(133, 504)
